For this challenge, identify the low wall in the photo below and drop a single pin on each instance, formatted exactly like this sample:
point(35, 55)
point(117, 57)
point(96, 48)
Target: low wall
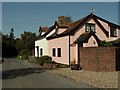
point(100, 58)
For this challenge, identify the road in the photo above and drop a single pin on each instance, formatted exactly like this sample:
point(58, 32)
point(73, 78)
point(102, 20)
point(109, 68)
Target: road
point(21, 74)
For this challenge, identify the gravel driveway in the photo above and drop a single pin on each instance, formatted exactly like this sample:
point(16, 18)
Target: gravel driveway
point(97, 79)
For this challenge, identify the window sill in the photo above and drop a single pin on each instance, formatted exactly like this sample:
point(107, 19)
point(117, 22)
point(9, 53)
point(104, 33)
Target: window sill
point(113, 36)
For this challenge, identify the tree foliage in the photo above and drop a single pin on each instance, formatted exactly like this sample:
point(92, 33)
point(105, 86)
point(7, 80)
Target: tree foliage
point(25, 44)
point(22, 46)
point(8, 45)
point(28, 38)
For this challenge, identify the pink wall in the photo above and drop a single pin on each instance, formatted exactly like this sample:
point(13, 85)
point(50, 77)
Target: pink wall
point(106, 26)
point(63, 43)
point(60, 30)
point(74, 53)
point(101, 35)
point(119, 33)
point(91, 42)
point(79, 32)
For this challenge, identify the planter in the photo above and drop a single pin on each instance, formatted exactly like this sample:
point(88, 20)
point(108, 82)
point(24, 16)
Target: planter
point(74, 66)
point(48, 65)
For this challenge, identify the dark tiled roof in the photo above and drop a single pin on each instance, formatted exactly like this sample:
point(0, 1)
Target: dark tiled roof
point(63, 25)
point(46, 33)
point(79, 23)
point(85, 37)
point(44, 29)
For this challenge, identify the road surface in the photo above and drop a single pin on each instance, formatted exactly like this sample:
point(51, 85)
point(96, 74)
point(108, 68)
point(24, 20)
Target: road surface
point(21, 74)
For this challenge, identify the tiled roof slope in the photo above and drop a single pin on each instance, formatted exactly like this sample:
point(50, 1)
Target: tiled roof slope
point(79, 23)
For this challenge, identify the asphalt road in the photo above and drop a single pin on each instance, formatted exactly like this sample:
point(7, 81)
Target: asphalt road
point(21, 74)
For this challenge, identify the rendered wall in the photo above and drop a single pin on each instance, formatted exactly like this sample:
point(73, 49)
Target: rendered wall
point(63, 43)
point(43, 43)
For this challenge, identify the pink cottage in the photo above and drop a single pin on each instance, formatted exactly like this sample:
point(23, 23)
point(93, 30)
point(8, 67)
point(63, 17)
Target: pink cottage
point(64, 45)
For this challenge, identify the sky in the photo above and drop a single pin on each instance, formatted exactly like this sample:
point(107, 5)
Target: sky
point(29, 16)
point(0, 16)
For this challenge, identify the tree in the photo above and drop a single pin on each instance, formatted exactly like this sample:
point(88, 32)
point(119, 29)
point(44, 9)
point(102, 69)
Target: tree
point(11, 36)
point(19, 44)
point(28, 38)
point(8, 47)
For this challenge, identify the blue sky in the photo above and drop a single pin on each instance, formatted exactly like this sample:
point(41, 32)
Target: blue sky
point(26, 16)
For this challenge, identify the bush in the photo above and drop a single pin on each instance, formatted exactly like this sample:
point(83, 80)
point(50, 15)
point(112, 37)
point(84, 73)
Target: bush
point(63, 66)
point(104, 43)
point(59, 65)
point(44, 59)
point(24, 52)
point(24, 57)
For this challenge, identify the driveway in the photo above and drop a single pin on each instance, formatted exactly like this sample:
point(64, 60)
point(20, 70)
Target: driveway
point(21, 74)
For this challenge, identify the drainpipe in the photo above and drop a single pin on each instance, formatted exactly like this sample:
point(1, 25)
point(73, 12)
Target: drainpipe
point(78, 54)
point(69, 50)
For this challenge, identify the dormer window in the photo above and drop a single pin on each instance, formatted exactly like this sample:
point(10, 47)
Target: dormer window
point(113, 32)
point(90, 27)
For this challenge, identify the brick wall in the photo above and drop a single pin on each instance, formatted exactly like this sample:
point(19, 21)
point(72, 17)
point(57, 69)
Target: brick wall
point(100, 58)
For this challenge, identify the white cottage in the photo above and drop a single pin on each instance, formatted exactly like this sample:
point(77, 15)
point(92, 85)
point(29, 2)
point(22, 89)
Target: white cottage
point(41, 44)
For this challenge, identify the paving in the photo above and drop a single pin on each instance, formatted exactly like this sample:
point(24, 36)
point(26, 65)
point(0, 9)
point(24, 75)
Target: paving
point(21, 74)
point(97, 79)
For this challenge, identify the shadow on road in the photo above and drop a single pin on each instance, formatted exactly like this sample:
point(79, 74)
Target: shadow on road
point(11, 74)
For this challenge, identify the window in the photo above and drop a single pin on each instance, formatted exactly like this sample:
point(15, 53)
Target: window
point(90, 27)
point(113, 32)
point(53, 52)
point(37, 51)
point(41, 52)
point(59, 52)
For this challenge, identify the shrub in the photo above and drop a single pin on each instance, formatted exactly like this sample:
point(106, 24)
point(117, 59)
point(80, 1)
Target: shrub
point(63, 66)
point(24, 52)
point(104, 43)
point(44, 59)
point(24, 57)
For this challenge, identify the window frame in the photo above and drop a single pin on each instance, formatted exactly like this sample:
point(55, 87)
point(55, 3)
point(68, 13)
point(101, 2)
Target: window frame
point(37, 48)
point(58, 52)
point(88, 27)
point(53, 52)
point(113, 32)
point(41, 51)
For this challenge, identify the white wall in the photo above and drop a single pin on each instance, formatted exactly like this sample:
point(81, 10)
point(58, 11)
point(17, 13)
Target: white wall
point(43, 43)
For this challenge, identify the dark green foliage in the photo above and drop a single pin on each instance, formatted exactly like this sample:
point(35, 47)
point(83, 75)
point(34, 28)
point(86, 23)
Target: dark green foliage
point(11, 36)
point(117, 42)
point(19, 44)
point(44, 59)
point(8, 45)
point(25, 44)
point(104, 43)
point(59, 65)
point(28, 38)
point(24, 53)
point(63, 66)
point(111, 43)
